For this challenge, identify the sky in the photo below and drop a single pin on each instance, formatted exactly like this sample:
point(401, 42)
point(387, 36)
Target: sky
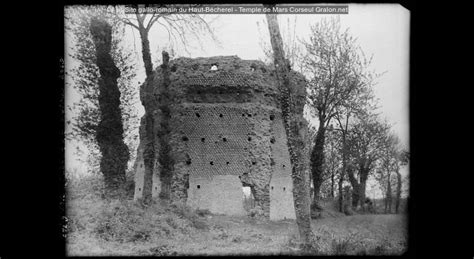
point(381, 30)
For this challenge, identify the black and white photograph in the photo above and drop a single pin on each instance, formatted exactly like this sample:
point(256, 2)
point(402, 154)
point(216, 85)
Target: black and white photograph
point(237, 129)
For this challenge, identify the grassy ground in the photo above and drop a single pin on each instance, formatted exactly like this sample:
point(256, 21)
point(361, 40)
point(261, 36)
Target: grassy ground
point(97, 227)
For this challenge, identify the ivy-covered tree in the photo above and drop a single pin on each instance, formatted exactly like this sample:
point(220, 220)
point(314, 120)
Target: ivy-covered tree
point(295, 129)
point(82, 76)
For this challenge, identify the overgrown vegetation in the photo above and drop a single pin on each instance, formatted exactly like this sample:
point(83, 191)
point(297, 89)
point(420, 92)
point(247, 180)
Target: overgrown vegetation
point(98, 226)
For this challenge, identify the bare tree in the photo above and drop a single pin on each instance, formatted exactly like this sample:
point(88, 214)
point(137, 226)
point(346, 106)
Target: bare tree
point(338, 70)
point(366, 141)
point(393, 157)
point(180, 28)
point(333, 156)
point(292, 118)
point(358, 104)
point(333, 160)
point(291, 44)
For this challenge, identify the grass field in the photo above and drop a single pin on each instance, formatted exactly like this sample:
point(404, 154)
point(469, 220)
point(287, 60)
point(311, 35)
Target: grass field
point(97, 227)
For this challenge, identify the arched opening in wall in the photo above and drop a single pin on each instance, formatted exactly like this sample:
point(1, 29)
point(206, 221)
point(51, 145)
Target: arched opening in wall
point(198, 186)
point(272, 140)
point(203, 139)
point(184, 138)
point(198, 115)
point(249, 138)
point(211, 163)
point(224, 139)
point(249, 201)
point(227, 163)
point(220, 115)
point(272, 117)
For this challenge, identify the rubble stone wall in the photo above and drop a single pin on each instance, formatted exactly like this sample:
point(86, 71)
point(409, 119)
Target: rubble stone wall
point(227, 132)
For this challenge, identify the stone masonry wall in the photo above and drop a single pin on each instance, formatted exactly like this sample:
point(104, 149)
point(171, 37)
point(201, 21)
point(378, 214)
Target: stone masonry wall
point(227, 132)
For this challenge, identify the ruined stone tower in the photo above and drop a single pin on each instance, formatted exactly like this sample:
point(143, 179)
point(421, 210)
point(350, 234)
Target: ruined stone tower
point(227, 132)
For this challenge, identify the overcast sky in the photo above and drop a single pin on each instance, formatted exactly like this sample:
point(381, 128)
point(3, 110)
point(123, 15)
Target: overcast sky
point(380, 29)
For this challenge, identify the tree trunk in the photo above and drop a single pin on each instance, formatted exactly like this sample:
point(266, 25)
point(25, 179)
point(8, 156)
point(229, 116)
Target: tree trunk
point(346, 208)
point(165, 158)
point(157, 113)
point(150, 152)
point(343, 171)
point(399, 192)
point(355, 196)
point(389, 195)
point(339, 186)
point(363, 186)
point(293, 121)
point(355, 188)
point(332, 184)
point(146, 55)
point(115, 153)
point(148, 155)
point(315, 206)
point(151, 146)
point(317, 161)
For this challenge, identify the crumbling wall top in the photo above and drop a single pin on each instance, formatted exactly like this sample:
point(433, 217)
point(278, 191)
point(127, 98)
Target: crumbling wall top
point(224, 79)
point(219, 73)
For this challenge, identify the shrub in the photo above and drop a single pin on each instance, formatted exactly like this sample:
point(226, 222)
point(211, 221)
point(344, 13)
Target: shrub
point(171, 222)
point(162, 250)
point(296, 247)
point(237, 239)
point(122, 222)
point(203, 212)
point(340, 247)
point(345, 245)
point(187, 213)
point(219, 232)
point(256, 212)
